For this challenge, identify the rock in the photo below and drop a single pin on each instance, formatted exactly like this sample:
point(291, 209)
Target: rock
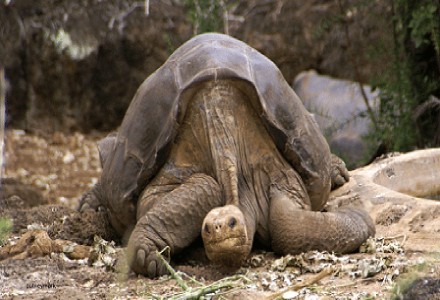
point(290, 295)
point(423, 288)
point(68, 157)
point(37, 243)
point(339, 108)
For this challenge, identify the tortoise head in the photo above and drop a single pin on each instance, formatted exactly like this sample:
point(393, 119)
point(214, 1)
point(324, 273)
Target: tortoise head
point(225, 236)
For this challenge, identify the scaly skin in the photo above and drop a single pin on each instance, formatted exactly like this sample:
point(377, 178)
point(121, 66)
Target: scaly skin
point(225, 171)
point(172, 218)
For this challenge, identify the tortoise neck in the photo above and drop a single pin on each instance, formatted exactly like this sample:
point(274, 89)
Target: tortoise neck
point(250, 216)
point(220, 101)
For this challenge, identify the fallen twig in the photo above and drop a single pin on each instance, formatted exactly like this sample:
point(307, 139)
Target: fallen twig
point(201, 290)
point(2, 118)
point(192, 279)
point(170, 269)
point(308, 282)
point(396, 237)
point(403, 236)
point(209, 289)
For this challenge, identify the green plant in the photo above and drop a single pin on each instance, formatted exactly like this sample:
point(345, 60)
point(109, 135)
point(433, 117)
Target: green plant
point(5, 229)
point(207, 15)
point(412, 79)
point(424, 25)
point(169, 42)
point(405, 281)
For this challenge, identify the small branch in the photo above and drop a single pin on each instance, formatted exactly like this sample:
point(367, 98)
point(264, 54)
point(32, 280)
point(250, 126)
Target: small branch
point(403, 241)
point(147, 7)
point(395, 237)
point(225, 17)
point(192, 279)
point(308, 282)
point(2, 118)
point(209, 289)
point(196, 292)
point(324, 273)
point(367, 104)
point(198, 16)
point(435, 37)
point(120, 18)
point(170, 269)
point(355, 67)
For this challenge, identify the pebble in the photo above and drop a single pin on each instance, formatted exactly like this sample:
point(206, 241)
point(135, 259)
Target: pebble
point(290, 295)
point(68, 157)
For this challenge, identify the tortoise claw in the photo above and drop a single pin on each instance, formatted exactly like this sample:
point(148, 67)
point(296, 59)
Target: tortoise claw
point(152, 268)
point(155, 267)
point(90, 200)
point(148, 263)
point(84, 207)
point(140, 257)
point(143, 257)
point(339, 172)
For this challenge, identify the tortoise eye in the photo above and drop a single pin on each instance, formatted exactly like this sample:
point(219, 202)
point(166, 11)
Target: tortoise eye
point(232, 222)
point(206, 228)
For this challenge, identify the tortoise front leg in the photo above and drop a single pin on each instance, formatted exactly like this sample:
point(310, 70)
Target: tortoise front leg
point(294, 230)
point(174, 220)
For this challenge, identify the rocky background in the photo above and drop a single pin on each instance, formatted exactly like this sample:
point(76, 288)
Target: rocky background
point(75, 65)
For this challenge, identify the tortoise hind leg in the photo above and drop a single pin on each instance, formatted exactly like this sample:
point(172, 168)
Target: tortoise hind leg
point(294, 230)
point(172, 218)
point(339, 173)
point(90, 200)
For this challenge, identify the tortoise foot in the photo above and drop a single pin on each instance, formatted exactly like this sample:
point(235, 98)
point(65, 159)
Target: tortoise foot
point(148, 262)
point(143, 255)
point(339, 173)
point(90, 201)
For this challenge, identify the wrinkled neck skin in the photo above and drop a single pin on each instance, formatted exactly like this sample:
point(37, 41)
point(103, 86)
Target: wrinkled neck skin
point(250, 217)
point(241, 160)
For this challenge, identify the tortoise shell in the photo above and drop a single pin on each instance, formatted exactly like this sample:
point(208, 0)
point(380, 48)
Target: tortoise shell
point(151, 123)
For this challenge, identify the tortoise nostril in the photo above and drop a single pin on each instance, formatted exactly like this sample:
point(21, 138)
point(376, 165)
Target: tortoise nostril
point(207, 228)
point(232, 222)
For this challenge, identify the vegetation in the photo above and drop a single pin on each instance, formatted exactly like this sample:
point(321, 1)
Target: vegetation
point(207, 15)
point(408, 284)
point(408, 50)
point(5, 229)
point(409, 114)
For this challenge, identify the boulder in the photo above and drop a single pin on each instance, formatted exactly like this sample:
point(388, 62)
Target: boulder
point(340, 109)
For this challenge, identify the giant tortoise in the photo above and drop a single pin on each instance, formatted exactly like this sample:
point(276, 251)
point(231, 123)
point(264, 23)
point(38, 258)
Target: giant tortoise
point(216, 143)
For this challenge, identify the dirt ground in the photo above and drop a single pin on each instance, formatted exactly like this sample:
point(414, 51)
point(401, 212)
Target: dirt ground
point(60, 168)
